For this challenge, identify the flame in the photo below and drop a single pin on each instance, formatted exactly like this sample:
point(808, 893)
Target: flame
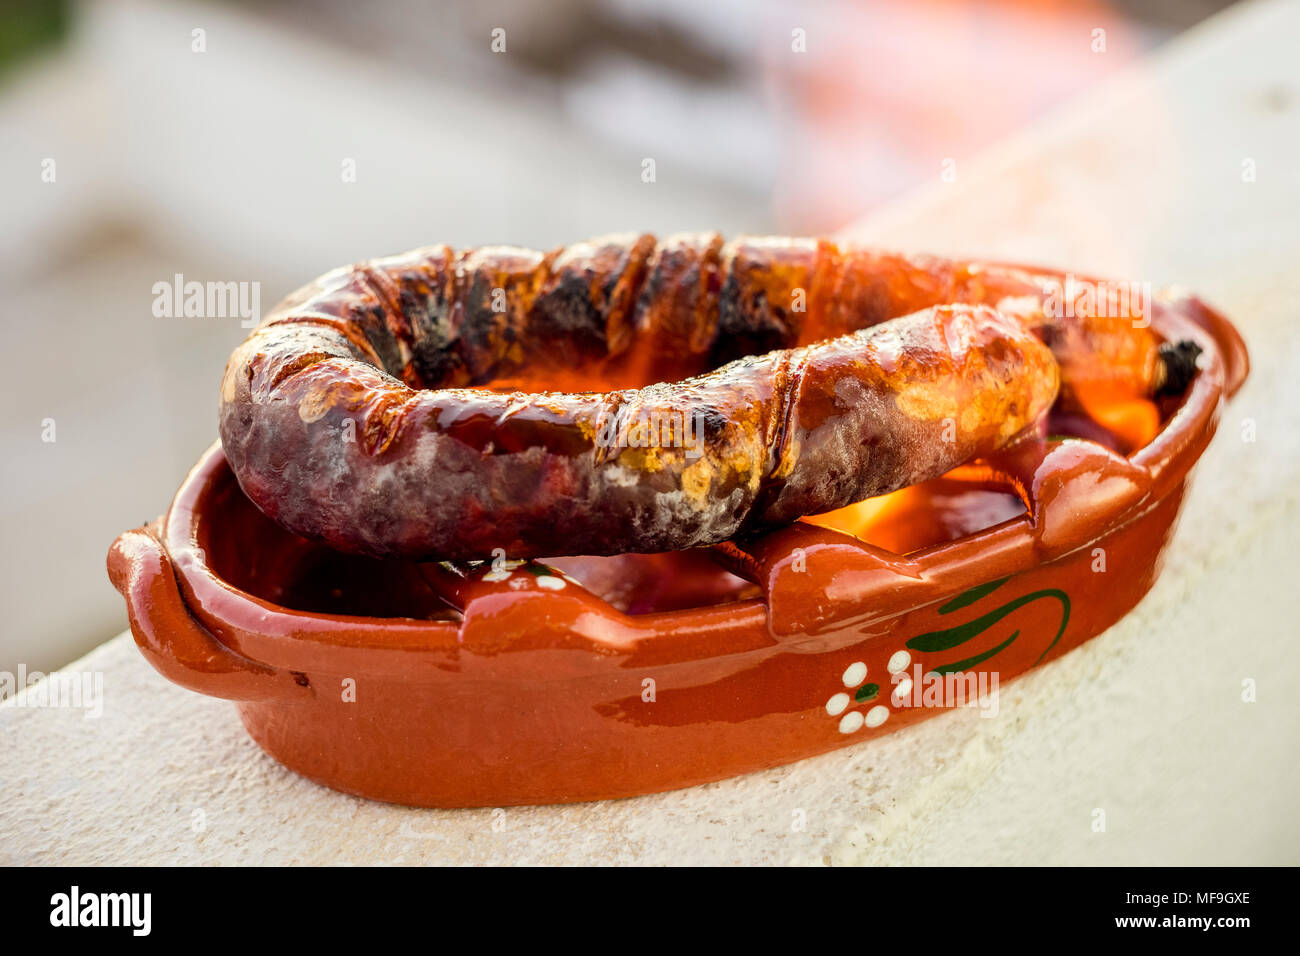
point(1132, 420)
point(962, 502)
point(598, 377)
point(858, 518)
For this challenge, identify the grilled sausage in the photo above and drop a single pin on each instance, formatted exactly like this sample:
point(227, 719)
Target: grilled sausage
point(1098, 330)
point(379, 408)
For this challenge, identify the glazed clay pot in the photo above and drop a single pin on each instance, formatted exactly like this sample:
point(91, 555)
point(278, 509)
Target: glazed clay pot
point(584, 679)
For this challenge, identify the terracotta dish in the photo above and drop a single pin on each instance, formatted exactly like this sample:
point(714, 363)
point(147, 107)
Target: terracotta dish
point(583, 678)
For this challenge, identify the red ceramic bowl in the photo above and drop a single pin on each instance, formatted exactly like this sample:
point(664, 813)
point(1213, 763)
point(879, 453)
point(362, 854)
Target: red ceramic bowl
point(588, 678)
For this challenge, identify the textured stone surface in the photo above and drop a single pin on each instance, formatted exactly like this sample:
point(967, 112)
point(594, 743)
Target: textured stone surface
point(1145, 722)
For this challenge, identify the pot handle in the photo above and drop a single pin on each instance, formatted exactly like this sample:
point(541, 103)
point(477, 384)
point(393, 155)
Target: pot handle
point(171, 640)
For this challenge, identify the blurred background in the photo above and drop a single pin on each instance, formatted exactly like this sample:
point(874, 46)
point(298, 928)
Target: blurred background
point(268, 142)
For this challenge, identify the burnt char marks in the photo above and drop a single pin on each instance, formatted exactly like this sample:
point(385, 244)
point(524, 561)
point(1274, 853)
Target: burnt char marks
point(482, 326)
point(434, 360)
point(489, 301)
point(710, 272)
point(676, 313)
point(420, 281)
point(566, 315)
point(764, 295)
point(369, 310)
point(714, 423)
point(582, 311)
point(623, 292)
point(747, 324)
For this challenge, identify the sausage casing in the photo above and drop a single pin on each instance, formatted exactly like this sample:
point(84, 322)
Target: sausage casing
point(385, 409)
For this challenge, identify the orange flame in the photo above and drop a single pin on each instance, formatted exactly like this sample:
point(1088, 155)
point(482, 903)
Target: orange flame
point(930, 513)
point(1134, 421)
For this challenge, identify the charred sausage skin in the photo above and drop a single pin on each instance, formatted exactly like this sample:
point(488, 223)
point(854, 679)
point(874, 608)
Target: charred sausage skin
point(625, 311)
point(379, 409)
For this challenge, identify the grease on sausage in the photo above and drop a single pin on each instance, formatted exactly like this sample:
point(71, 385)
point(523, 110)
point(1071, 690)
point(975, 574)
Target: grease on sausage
point(357, 413)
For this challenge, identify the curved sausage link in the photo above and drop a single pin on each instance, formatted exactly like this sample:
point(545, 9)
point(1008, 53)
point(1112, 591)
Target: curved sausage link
point(1097, 330)
point(623, 311)
point(347, 415)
